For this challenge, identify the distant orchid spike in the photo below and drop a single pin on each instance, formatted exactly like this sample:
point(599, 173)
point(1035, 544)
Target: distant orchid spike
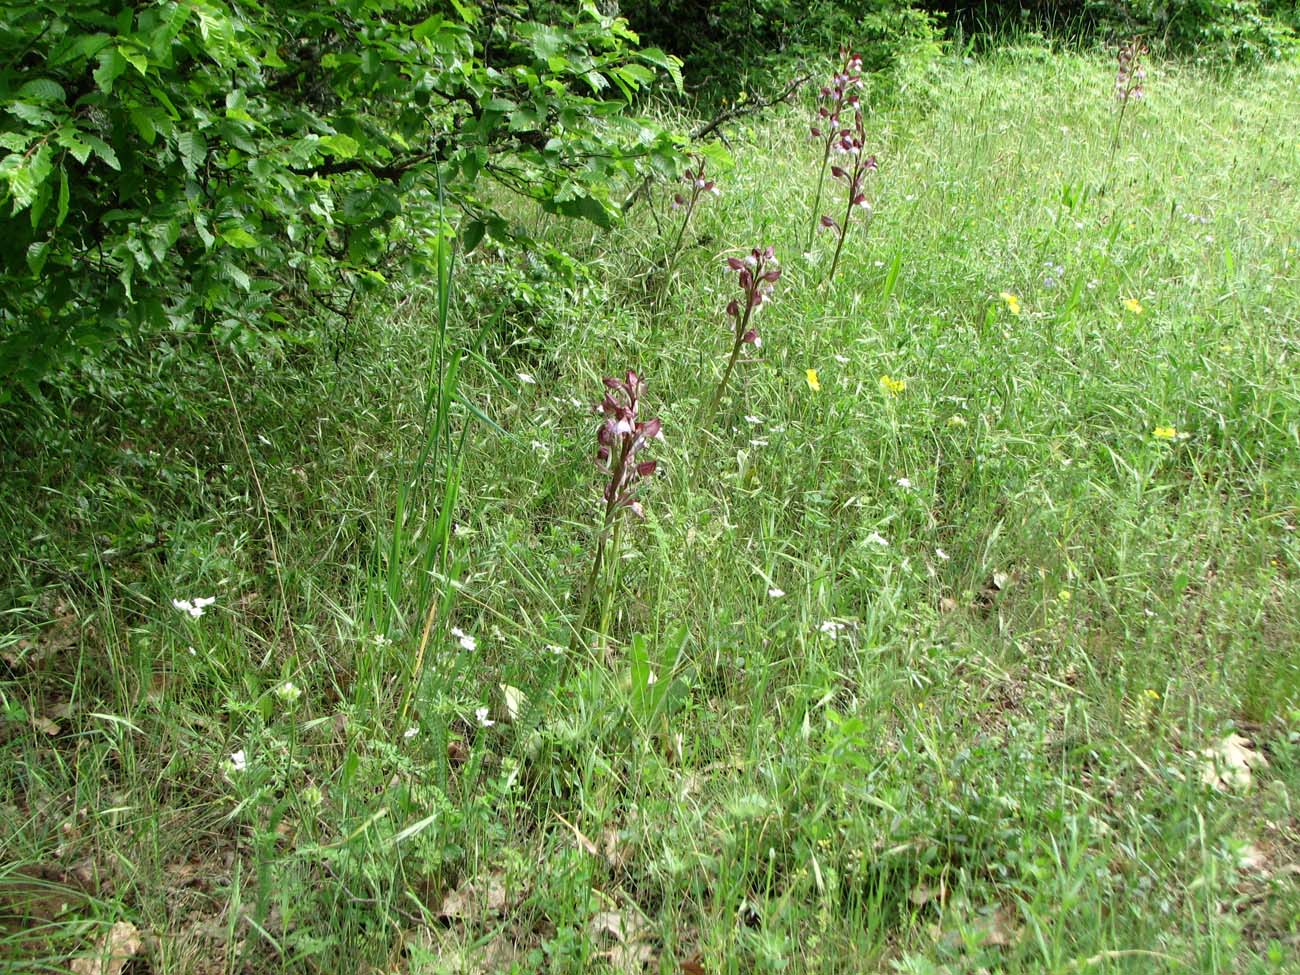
point(1130, 73)
point(621, 436)
point(756, 273)
point(698, 183)
point(1129, 76)
point(833, 99)
point(857, 165)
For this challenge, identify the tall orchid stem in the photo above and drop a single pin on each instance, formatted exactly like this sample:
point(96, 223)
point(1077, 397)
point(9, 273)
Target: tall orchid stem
point(1114, 143)
point(611, 509)
point(681, 235)
point(722, 384)
point(741, 328)
point(817, 200)
point(844, 232)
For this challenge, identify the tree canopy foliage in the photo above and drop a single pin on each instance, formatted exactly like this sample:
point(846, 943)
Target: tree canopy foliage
point(245, 170)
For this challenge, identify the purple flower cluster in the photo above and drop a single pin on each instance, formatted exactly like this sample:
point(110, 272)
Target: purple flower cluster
point(852, 144)
point(756, 272)
point(841, 93)
point(1131, 74)
point(851, 169)
point(699, 184)
point(620, 438)
point(833, 100)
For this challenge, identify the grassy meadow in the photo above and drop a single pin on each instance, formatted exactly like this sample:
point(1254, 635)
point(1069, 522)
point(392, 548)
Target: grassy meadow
point(976, 649)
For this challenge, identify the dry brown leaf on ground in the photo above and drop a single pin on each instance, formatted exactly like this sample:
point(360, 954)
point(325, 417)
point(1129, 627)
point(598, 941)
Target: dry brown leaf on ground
point(1226, 765)
point(508, 704)
point(617, 850)
point(995, 927)
point(114, 950)
point(45, 726)
point(631, 951)
point(483, 895)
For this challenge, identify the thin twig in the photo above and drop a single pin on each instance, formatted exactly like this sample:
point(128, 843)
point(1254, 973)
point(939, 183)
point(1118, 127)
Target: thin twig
point(713, 125)
point(748, 108)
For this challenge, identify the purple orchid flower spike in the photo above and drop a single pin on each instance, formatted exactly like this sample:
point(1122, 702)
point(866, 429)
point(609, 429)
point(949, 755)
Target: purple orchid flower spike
point(839, 96)
point(756, 273)
point(699, 184)
point(852, 169)
point(1129, 78)
point(620, 438)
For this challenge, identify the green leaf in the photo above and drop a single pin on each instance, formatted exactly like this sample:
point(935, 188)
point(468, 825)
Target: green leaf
point(340, 146)
point(193, 150)
point(472, 235)
point(468, 12)
point(144, 125)
point(428, 28)
point(237, 236)
point(103, 150)
point(42, 90)
point(69, 138)
point(240, 278)
point(37, 252)
point(111, 66)
point(64, 198)
point(666, 62)
point(30, 113)
point(135, 57)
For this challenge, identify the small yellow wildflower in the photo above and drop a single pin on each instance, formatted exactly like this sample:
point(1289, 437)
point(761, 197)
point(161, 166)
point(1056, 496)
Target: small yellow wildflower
point(956, 420)
point(1133, 305)
point(891, 386)
point(1164, 433)
point(1151, 695)
point(813, 382)
point(1065, 595)
point(1012, 301)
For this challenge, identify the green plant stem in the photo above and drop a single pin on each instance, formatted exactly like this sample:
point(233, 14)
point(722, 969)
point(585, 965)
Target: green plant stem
point(817, 200)
point(844, 232)
point(1114, 143)
point(726, 375)
point(742, 327)
point(681, 235)
point(585, 606)
point(611, 509)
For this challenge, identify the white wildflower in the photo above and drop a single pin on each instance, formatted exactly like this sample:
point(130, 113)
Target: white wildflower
point(288, 692)
point(195, 607)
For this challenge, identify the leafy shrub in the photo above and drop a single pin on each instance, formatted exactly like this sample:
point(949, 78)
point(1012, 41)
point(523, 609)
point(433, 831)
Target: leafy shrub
point(718, 40)
point(1230, 31)
point(1225, 31)
point(198, 167)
